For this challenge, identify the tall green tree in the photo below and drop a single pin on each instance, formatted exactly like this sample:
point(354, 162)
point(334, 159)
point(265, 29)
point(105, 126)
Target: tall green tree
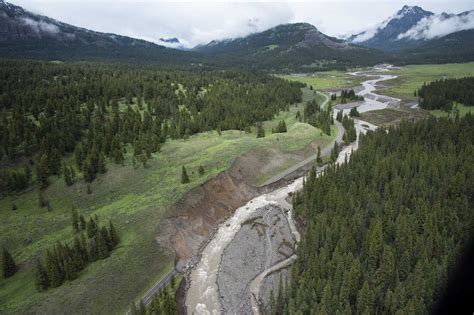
point(41, 277)
point(8, 264)
point(184, 176)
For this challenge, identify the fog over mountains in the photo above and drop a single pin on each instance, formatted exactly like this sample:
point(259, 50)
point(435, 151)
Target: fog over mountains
point(410, 34)
point(411, 26)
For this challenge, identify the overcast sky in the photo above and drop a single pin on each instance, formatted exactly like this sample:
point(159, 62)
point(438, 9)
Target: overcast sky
point(196, 22)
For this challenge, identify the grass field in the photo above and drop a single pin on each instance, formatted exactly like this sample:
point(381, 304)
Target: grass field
point(462, 109)
point(411, 78)
point(327, 80)
point(137, 200)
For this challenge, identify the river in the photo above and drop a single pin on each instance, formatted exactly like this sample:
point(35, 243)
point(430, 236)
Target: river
point(203, 296)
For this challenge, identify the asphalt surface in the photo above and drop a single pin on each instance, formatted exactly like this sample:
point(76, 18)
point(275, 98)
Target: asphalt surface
point(163, 283)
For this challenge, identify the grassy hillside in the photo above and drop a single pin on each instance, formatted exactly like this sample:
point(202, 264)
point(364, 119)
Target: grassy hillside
point(137, 200)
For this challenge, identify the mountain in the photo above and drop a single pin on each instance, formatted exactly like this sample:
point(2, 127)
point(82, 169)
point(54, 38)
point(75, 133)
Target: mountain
point(290, 46)
point(24, 34)
point(385, 35)
point(171, 40)
point(413, 27)
point(455, 47)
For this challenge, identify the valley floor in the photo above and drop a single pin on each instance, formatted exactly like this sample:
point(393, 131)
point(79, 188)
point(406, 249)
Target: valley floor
point(137, 200)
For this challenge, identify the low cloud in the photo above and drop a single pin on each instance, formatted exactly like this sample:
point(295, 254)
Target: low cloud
point(41, 27)
point(439, 26)
point(372, 31)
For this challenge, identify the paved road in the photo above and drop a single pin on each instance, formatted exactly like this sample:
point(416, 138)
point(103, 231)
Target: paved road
point(148, 297)
point(324, 152)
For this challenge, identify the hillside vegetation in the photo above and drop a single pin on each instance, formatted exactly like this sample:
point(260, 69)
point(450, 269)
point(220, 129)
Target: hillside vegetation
point(135, 194)
point(383, 232)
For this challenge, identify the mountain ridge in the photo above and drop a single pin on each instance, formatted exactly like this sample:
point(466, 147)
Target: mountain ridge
point(411, 27)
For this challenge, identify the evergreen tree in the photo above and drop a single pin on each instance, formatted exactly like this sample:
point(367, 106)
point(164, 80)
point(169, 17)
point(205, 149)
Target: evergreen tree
point(201, 170)
point(8, 264)
point(67, 175)
point(354, 112)
point(103, 251)
point(101, 168)
point(319, 160)
point(54, 271)
point(184, 176)
point(75, 221)
point(41, 277)
point(42, 171)
point(260, 130)
point(335, 152)
point(91, 228)
point(113, 235)
point(82, 222)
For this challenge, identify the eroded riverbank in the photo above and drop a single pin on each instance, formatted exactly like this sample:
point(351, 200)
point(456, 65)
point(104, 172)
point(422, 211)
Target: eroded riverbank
point(233, 273)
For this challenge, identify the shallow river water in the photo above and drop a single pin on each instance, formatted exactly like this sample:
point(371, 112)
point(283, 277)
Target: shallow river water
point(203, 296)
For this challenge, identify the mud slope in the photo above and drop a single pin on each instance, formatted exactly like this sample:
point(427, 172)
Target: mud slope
point(201, 210)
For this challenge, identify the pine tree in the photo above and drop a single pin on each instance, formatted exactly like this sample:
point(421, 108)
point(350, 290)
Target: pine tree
point(260, 130)
point(69, 270)
point(75, 221)
point(67, 175)
point(42, 171)
point(41, 277)
point(184, 176)
point(319, 160)
point(113, 235)
point(273, 308)
point(82, 222)
point(335, 152)
point(101, 168)
point(281, 296)
point(102, 250)
point(8, 264)
point(201, 170)
point(54, 270)
point(91, 228)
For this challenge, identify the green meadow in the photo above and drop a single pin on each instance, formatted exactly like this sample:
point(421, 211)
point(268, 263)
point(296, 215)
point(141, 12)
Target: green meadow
point(136, 200)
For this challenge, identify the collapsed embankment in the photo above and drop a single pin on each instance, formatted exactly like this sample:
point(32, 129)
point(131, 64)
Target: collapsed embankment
point(201, 210)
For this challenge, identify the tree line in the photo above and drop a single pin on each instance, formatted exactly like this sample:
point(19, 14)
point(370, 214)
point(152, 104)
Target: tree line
point(441, 94)
point(64, 262)
point(347, 95)
point(382, 232)
point(318, 117)
point(49, 110)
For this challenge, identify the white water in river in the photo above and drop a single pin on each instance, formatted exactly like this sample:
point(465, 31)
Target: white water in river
point(202, 296)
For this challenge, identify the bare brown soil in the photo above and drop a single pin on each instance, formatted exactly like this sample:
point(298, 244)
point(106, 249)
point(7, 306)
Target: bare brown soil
point(202, 209)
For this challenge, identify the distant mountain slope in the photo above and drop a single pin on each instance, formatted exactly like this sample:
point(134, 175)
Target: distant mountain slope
point(290, 46)
point(28, 35)
point(385, 36)
point(455, 47)
point(413, 27)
